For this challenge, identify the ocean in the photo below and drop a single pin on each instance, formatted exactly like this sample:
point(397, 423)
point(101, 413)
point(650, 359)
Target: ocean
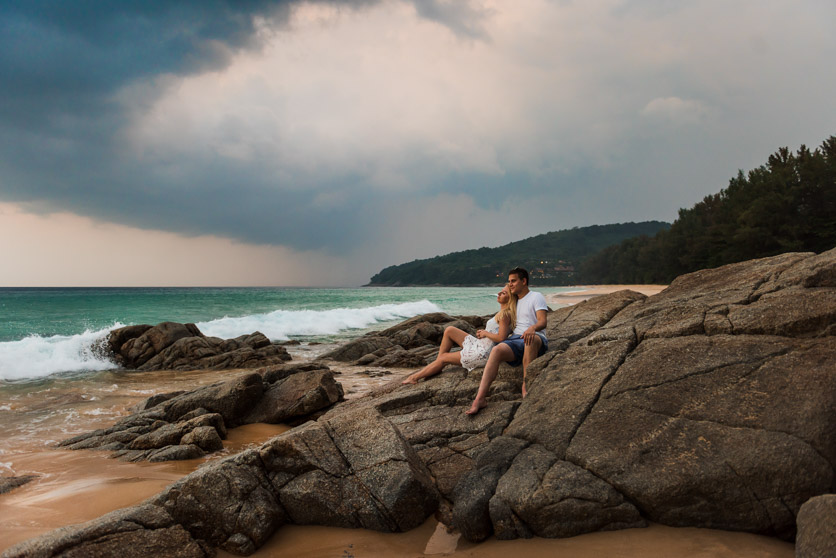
point(52, 331)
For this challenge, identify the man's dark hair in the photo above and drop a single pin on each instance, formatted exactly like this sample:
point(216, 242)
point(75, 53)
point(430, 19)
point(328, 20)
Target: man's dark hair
point(521, 273)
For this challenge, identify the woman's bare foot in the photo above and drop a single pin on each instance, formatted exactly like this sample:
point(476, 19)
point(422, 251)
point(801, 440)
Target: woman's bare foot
point(409, 381)
point(476, 407)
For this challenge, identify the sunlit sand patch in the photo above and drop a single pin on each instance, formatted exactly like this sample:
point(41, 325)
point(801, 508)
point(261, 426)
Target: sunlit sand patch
point(251, 436)
point(432, 539)
point(585, 293)
point(77, 486)
point(442, 541)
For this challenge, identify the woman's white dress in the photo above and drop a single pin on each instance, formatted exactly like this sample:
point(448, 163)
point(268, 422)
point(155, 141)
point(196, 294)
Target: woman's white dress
point(475, 351)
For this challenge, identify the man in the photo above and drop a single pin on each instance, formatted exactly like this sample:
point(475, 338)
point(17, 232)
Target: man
point(527, 343)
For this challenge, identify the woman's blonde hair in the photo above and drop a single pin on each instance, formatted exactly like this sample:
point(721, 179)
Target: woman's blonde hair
point(510, 310)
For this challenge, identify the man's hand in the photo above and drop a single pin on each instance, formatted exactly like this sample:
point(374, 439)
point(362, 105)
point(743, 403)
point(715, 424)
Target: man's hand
point(529, 335)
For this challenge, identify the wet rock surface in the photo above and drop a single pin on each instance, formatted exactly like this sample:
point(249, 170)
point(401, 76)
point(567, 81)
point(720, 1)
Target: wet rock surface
point(711, 404)
point(136, 532)
point(9, 483)
point(186, 425)
point(175, 346)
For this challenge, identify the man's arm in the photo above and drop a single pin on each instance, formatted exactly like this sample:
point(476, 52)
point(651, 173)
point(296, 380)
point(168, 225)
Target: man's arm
point(528, 335)
point(542, 319)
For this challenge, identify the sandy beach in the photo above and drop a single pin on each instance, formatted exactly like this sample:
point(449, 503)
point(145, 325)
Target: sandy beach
point(586, 292)
point(431, 539)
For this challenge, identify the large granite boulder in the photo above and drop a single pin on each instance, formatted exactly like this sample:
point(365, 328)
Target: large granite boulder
point(411, 343)
point(175, 346)
point(549, 497)
point(185, 425)
point(475, 489)
point(712, 404)
point(730, 432)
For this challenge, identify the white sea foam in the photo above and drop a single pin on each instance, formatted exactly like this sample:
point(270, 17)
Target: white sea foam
point(36, 356)
point(280, 325)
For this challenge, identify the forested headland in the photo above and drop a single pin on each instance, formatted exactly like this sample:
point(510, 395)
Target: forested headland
point(551, 258)
point(786, 205)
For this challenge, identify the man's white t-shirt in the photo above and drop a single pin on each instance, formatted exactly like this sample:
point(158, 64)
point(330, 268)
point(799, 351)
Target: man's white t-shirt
point(527, 308)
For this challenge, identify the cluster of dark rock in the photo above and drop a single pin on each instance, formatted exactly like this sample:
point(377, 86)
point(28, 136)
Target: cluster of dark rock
point(711, 404)
point(9, 483)
point(175, 346)
point(187, 425)
point(412, 343)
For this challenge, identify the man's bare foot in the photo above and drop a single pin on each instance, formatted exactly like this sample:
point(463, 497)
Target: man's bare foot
point(476, 407)
point(524, 391)
point(409, 381)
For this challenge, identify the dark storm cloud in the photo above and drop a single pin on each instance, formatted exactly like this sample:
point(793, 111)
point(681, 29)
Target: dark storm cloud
point(61, 63)
point(58, 56)
point(242, 202)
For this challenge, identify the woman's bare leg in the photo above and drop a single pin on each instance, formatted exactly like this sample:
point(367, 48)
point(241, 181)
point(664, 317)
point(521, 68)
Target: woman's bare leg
point(434, 367)
point(452, 335)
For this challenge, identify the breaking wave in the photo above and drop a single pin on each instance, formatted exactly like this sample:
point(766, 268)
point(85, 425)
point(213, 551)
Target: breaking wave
point(36, 356)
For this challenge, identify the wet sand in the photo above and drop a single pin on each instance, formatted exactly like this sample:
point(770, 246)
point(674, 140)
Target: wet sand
point(586, 292)
point(431, 539)
point(77, 486)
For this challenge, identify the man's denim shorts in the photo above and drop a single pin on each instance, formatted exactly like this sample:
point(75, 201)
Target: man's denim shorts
point(517, 344)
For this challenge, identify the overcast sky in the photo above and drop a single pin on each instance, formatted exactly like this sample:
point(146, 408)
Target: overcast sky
point(204, 142)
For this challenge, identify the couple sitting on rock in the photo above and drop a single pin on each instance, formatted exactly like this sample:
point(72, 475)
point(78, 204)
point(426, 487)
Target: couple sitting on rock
point(522, 312)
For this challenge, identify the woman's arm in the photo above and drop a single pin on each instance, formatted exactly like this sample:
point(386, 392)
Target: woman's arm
point(504, 330)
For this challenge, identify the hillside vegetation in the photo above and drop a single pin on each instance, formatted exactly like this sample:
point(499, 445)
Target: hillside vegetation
point(786, 205)
point(551, 258)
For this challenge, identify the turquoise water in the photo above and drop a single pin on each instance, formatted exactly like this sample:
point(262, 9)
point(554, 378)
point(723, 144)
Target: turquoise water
point(44, 331)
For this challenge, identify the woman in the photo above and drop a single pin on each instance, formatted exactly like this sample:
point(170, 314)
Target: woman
point(475, 350)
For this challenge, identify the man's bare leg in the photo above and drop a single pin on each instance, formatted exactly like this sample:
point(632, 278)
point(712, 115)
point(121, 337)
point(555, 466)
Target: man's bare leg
point(499, 354)
point(530, 353)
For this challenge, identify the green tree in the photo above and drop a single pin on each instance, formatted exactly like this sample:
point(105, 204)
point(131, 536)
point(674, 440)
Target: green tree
point(788, 204)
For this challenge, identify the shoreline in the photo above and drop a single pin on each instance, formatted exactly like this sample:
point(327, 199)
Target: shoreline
point(589, 291)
